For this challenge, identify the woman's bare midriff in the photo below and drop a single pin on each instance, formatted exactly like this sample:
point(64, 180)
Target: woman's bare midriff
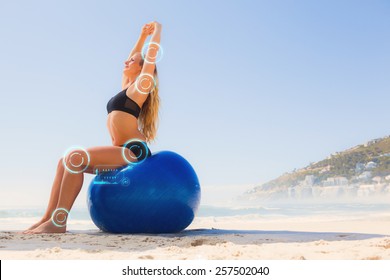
point(123, 127)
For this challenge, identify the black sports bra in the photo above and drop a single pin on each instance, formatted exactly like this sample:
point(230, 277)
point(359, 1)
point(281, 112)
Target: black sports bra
point(121, 102)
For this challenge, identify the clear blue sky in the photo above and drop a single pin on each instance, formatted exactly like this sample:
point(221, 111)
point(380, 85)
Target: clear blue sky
point(249, 89)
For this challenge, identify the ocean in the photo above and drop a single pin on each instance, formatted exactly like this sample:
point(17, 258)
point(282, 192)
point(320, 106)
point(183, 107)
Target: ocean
point(79, 219)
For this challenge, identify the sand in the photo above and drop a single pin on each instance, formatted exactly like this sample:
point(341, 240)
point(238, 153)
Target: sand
point(218, 238)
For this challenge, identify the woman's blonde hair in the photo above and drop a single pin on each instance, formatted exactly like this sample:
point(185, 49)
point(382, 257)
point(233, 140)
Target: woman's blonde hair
point(148, 118)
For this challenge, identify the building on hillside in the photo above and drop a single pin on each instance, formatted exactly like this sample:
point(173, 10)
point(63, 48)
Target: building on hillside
point(370, 165)
point(366, 175)
point(372, 142)
point(335, 181)
point(309, 180)
point(378, 179)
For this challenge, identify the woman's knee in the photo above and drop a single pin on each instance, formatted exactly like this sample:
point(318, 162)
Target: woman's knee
point(75, 158)
point(76, 161)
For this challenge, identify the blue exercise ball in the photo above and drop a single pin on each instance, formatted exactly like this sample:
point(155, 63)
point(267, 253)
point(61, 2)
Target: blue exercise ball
point(161, 194)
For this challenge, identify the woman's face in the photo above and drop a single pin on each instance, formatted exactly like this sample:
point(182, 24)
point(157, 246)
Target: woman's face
point(132, 65)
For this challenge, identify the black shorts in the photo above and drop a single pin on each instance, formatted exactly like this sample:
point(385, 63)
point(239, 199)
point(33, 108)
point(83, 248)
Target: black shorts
point(139, 148)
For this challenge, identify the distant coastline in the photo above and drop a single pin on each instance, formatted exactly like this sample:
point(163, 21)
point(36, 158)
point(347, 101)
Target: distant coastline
point(362, 171)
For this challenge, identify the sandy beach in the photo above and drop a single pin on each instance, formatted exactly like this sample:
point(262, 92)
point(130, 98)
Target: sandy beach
point(334, 237)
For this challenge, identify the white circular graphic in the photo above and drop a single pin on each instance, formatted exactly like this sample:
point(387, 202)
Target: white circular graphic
point(59, 217)
point(77, 156)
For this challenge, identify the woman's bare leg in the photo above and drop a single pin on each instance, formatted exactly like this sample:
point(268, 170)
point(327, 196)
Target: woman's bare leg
point(72, 182)
point(55, 192)
point(71, 186)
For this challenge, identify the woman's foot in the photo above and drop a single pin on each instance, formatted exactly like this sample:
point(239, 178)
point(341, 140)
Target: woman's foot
point(47, 227)
point(34, 226)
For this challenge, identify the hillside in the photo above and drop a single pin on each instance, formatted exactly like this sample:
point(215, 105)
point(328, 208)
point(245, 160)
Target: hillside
point(364, 166)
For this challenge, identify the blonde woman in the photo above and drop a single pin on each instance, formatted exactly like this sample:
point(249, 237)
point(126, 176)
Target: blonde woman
point(132, 122)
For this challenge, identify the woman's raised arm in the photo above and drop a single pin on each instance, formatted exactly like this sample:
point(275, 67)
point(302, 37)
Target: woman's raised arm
point(145, 81)
point(151, 53)
point(147, 29)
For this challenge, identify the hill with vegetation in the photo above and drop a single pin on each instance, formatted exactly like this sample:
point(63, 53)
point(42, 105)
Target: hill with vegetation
point(365, 165)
